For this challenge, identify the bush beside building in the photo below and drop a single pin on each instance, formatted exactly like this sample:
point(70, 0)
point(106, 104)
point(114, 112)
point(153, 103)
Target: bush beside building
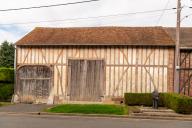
point(6, 84)
point(179, 103)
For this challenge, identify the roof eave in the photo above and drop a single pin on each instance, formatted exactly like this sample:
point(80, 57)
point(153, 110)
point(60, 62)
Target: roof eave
point(95, 45)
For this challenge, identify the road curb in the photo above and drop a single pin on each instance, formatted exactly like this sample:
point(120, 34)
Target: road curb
point(182, 118)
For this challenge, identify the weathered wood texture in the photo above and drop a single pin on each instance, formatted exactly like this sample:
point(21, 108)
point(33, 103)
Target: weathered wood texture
point(127, 68)
point(186, 72)
point(85, 80)
point(171, 71)
point(34, 83)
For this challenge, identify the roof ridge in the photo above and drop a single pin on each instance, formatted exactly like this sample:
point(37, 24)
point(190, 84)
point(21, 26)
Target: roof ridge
point(98, 27)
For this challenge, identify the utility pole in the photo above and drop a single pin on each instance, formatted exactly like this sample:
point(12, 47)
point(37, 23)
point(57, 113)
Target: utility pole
point(177, 48)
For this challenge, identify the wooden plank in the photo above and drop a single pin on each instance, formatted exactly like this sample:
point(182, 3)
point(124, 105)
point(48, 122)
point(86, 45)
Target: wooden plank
point(149, 70)
point(38, 55)
point(47, 51)
point(108, 61)
point(106, 85)
point(189, 84)
point(171, 70)
point(33, 56)
point(118, 71)
point(59, 56)
point(89, 52)
point(131, 70)
point(122, 69)
point(107, 82)
point(115, 73)
point(126, 56)
point(18, 55)
point(144, 72)
point(154, 68)
point(147, 84)
point(22, 55)
point(75, 52)
point(27, 54)
point(56, 82)
point(95, 53)
point(64, 80)
point(158, 55)
point(120, 80)
point(164, 73)
point(44, 56)
point(166, 56)
point(59, 79)
point(142, 90)
point(112, 70)
point(130, 65)
point(136, 70)
point(40, 58)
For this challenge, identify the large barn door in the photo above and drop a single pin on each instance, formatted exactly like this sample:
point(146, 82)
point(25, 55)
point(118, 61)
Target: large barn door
point(34, 84)
point(86, 80)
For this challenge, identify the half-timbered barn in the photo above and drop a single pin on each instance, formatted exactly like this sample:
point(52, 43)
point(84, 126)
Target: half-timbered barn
point(58, 65)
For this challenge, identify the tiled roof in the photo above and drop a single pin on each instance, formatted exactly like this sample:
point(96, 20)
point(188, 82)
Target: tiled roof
point(98, 36)
point(185, 37)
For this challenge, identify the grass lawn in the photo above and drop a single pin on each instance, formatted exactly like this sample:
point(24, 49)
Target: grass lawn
point(5, 103)
point(90, 109)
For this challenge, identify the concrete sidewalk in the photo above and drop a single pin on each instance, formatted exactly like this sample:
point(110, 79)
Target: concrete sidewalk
point(161, 113)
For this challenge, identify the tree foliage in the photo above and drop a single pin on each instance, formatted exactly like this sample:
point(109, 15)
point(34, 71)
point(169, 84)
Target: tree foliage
point(7, 51)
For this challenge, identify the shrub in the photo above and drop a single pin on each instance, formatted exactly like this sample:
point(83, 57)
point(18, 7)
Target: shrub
point(133, 99)
point(6, 75)
point(179, 103)
point(144, 99)
point(6, 92)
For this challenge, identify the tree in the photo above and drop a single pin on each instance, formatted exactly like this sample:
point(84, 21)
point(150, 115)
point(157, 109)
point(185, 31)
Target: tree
point(7, 51)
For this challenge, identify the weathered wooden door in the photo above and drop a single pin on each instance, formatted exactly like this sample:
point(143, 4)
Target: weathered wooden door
point(34, 83)
point(86, 80)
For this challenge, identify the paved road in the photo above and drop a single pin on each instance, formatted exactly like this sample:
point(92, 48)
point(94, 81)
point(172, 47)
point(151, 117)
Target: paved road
point(35, 121)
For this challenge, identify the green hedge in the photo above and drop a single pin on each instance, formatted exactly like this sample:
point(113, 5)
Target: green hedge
point(6, 91)
point(133, 99)
point(144, 99)
point(6, 75)
point(180, 104)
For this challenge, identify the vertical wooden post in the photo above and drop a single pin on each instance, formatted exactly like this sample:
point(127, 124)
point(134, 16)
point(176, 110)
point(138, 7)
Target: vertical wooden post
point(15, 69)
point(177, 49)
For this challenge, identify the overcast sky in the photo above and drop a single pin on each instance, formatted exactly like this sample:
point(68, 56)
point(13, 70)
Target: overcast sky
point(15, 24)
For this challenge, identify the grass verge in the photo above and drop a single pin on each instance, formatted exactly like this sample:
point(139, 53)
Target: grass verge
point(134, 109)
point(90, 109)
point(5, 103)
